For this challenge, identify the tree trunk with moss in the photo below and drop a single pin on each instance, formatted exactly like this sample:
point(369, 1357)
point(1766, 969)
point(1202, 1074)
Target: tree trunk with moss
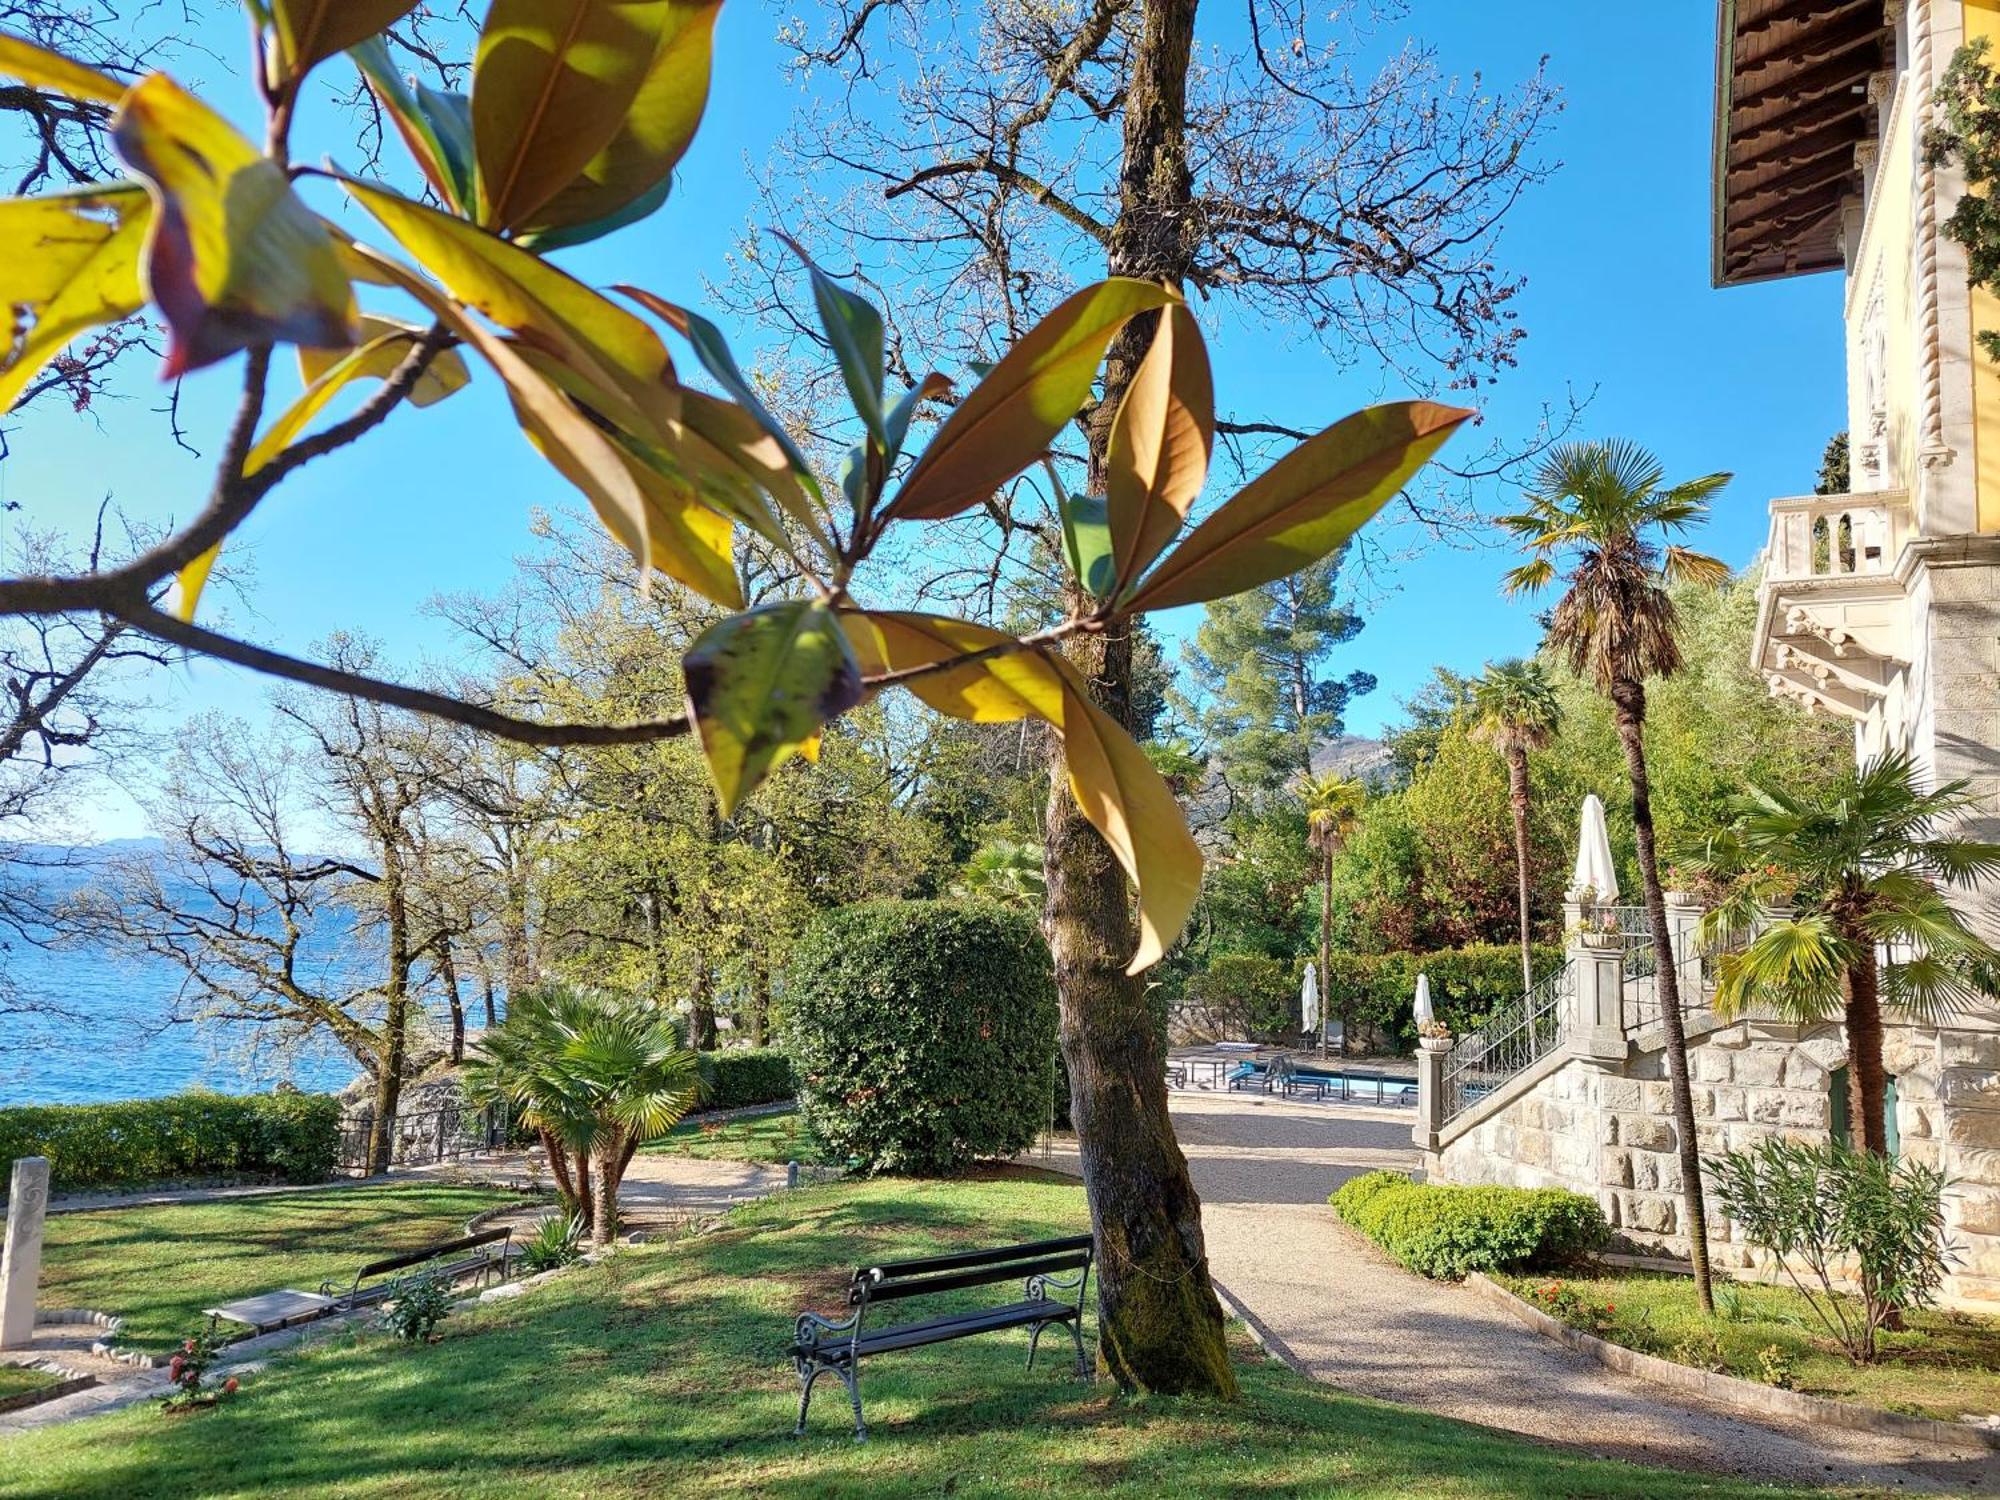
point(1867, 1075)
point(1517, 797)
point(1628, 702)
point(1160, 1328)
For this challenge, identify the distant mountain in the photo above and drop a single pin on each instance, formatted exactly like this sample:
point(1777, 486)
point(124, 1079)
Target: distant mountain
point(1352, 755)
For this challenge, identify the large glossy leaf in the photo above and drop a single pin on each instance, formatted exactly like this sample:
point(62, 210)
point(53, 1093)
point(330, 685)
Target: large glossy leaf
point(574, 445)
point(691, 542)
point(1115, 786)
point(552, 84)
point(595, 229)
point(1160, 444)
point(637, 166)
point(43, 69)
point(445, 163)
point(611, 348)
point(854, 332)
point(1304, 506)
point(744, 451)
point(310, 31)
point(233, 258)
point(761, 684)
point(72, 265)
point(1009, 419)
point(328, 372)
point(1087, 539)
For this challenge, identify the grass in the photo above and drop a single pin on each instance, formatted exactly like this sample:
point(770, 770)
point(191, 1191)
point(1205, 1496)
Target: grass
point(775, 1138)
point(18, 1380)
point(661, 1372)
point(1945, 1364)
point(157, 1268)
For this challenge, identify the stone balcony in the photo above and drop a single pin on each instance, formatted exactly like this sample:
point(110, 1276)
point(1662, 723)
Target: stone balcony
point(1830, 619)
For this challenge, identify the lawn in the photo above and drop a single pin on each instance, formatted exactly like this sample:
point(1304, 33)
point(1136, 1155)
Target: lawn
point(661, 1373)
point(1945, 1364)
point(776, 1138)
point(18, 1380)
point(157, 1268)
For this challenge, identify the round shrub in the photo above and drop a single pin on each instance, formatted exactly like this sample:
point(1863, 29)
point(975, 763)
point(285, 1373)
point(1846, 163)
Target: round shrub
point(1445, 1231)
point(921, 1032)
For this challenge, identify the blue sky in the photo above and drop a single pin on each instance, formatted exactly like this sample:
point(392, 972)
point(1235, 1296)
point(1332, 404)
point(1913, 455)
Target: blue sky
point(1615, 248)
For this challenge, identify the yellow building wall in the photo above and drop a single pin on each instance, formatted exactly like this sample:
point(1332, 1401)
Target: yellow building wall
point(1982, 19)
point(1882, 341)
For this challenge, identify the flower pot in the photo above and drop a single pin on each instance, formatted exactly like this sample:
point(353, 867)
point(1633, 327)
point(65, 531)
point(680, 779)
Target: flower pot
point(1435, 1043)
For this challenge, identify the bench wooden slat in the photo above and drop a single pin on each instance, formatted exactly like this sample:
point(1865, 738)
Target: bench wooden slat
point(432, 1252)
point(965, 1258)
point(943, 1330)
point(952, 1281)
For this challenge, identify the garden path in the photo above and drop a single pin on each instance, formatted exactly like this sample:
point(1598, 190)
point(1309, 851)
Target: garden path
point(1331, 1305)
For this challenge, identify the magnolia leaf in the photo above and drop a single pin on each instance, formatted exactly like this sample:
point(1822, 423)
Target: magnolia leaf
point(449, 116)
point(1009, 419)
point(329, 372)
point(637, 166)
point(639, 208)
point(1087, 539)
point(896, 426)
point(191, 580)
point(1304, 506)
point(43, 69)
point(761, 684)
point(615, 351)
point(234, 259)
point(854, 330)
point(1115, 786)
point(690, 542)
point(741, 446)
point(713, 351)
point(72, 264)
point(443, 164)
point(1161, 440)
point(310, 31)
point(573, 444)
point(552, 84)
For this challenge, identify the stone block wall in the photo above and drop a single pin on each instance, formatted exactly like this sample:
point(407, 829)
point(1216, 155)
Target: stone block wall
point(1605, 1128)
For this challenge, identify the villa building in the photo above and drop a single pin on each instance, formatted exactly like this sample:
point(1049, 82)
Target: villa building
point(1880, 604)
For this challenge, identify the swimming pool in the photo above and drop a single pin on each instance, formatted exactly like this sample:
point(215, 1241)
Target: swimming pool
point(1308, 1081)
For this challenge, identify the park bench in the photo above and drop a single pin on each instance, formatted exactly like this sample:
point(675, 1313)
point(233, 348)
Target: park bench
point(489, 1252)
point(822, 1346)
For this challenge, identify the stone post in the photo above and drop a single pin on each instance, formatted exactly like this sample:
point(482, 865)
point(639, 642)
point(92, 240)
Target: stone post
point(1597, 1014)
point(1430, 1098)
point(21, 1259)
point(1684, 914)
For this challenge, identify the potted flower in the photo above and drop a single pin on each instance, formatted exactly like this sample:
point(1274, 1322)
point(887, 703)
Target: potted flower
point(1434, 1036)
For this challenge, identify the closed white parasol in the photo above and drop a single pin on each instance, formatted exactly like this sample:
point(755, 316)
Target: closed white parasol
point(1309, 1001)
point(1594, 869)
point(1422, 1009)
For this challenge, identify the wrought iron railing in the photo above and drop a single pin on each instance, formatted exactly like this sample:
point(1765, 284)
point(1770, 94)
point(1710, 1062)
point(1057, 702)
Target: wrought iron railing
point(1512, 1040)
point(422, 1137)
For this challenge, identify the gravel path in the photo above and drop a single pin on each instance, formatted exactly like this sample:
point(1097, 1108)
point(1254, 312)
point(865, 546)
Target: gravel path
point(1331, 1305)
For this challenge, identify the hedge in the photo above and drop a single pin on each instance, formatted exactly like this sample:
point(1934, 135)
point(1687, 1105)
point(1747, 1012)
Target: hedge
point(922, 1033)
point(286, 1136)
point(1444, 1232)
point(744, 1076)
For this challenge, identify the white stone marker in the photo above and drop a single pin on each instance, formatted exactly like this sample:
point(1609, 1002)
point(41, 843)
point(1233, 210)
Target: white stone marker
point(21, 1260)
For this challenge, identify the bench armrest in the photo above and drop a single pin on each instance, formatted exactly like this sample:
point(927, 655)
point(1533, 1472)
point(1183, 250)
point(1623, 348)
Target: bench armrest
point(813, 1330)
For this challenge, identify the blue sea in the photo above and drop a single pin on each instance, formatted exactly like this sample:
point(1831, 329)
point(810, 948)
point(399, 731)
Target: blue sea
point(121, 1038)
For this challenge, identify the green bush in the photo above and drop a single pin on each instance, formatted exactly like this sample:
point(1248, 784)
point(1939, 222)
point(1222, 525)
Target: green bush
point(1240, 996)
point(745, 1076)
point(1467, 985)
point(287, 1136)
point(1444, 1232)
point(921, 1033)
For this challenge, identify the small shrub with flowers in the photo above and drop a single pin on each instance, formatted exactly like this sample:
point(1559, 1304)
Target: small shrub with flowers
point(1566, 1304)
point(186, 1372)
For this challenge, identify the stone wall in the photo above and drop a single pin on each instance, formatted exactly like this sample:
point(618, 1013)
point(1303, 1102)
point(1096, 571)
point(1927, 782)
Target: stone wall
point(1605, 1127)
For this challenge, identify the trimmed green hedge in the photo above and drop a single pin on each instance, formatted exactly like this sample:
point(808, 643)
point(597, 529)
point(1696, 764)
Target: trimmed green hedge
point(922, 1033)
point(289, 1137)
point(1443, 1231)
point(744, 1076)
point(1467, 985)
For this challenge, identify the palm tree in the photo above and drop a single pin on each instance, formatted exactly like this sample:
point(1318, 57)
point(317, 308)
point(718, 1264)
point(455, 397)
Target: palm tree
point(1870, 869)
point(1008, 871)
point(1515, 710)
point(1333, 806)
point(598, 1075)
point(1604, 511)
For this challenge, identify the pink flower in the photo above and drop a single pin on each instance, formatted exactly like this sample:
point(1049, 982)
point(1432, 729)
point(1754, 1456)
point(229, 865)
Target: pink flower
point(174, 1368)
point(229, 1386)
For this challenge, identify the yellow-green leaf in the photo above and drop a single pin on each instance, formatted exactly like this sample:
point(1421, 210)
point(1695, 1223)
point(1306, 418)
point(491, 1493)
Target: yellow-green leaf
point(234, 258)
point(310, 31)
point(1009, 419)
point(191, 580)
point(1304, 506)
point(436, 156)
point(552, 84)
point(761, 684)
point(605, 345)
point(329, 372)
point(72, 265)
point(573, 444)
point(657, 128)
point(742, 447)
point(1160, 445)
point(1131, 805)
point(690, 542)
point(43, 69)
point(1013, 684)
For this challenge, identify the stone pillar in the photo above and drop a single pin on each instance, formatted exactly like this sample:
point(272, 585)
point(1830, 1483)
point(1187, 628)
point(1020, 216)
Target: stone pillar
point(1597, 1014)
point(21, 1259)
point(1430, 1098)
point(1684, 914)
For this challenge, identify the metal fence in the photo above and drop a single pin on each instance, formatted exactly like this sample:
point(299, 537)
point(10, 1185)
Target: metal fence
point(422, 1137)
point(1513, 1038)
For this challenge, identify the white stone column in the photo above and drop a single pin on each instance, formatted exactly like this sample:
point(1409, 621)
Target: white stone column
point(1684, 914)
point(21, 1259)
point(1597, 1014)
point(1430, 1098)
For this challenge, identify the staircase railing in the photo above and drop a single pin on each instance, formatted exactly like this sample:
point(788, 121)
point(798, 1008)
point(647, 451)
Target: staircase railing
point(1512, 1040)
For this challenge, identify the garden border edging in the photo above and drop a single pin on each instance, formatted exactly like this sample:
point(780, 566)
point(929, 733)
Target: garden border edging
point(1749, 1394)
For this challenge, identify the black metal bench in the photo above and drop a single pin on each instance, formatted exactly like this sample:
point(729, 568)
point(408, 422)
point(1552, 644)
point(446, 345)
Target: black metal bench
point(823, 1346)
point(489, 1252)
